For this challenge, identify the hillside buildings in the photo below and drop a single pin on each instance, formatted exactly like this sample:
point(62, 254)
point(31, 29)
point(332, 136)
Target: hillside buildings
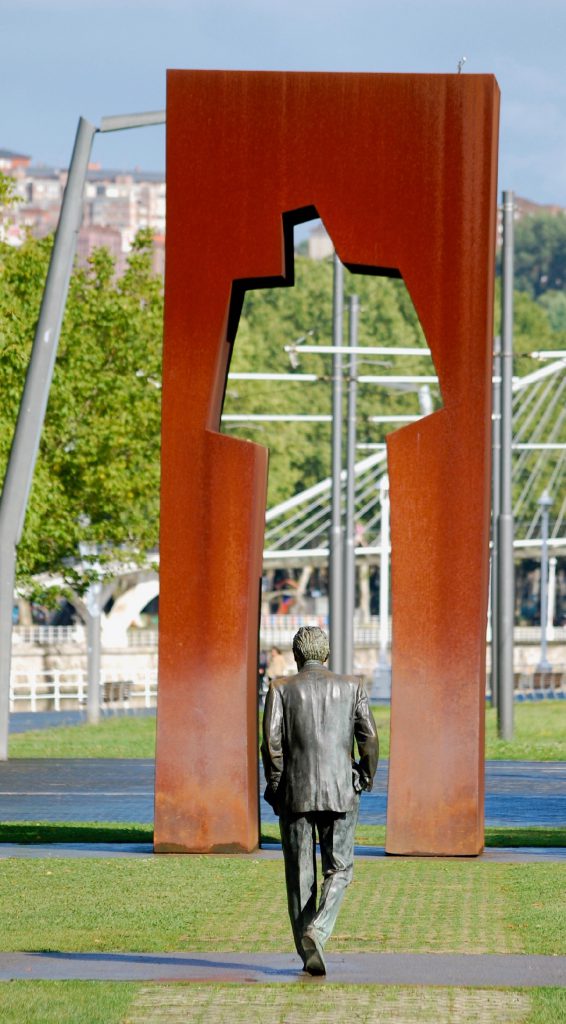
point(116, 205)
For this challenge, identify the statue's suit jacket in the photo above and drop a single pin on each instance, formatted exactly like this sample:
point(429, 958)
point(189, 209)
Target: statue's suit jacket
point(310, 721)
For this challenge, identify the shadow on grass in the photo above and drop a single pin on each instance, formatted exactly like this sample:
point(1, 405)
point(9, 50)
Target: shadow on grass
point(39, 832)
point(79, 832)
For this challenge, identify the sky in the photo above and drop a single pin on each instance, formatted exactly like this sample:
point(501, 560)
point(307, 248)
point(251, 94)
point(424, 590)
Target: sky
point(61, 59)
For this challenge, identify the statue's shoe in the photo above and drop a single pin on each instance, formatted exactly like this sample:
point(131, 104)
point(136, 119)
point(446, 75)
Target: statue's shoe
point(314, 957)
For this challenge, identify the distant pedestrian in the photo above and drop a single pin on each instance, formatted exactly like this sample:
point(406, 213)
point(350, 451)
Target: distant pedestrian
point(276, 666)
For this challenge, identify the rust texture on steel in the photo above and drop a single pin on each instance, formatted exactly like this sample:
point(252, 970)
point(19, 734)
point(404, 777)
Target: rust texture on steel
point(402, 170)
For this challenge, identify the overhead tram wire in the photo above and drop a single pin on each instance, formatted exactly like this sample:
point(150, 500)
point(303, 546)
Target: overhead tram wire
point(535, 467)
point(279, 537)
point(549, 408)
point(322, 487)
point(553, 487)
point(523, 401)
point(303, 525)
point(540, 457)
point(370, 482)
point(309, 520)
point(533, 415)
point(559, 519)
point(315, 507)
point(534, 403)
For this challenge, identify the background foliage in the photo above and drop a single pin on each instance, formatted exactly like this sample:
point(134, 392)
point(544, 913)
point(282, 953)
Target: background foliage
point(97, 474)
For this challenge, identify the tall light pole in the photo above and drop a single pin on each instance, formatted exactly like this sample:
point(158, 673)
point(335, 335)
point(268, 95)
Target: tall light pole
point(25, 444)
point(506, 569)
point(93, 651)
point(336, 556)
point(349, 546)
point(544, 503)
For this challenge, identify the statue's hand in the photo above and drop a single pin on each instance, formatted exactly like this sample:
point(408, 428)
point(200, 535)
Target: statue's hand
point(272, 799)
point(357, 781)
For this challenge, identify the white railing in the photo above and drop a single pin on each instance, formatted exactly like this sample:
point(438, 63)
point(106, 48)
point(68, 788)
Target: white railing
point(49, 635)
point(282, 633)
point(142, 638)
point(531, 634)
point(60, 688)
point(292, 622)
point(536, 685)
point(274, 629)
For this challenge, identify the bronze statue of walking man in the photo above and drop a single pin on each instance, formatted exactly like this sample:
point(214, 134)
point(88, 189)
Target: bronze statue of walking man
point(314, 784)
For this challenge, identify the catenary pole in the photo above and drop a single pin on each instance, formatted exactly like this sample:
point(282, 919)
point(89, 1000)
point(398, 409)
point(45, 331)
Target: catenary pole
point(506, 573)
point(335, 566)
point(25, 444)
point(349, 546)
point(495, 511)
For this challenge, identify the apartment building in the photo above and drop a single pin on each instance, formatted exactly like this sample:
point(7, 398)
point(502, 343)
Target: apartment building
point(116, 205)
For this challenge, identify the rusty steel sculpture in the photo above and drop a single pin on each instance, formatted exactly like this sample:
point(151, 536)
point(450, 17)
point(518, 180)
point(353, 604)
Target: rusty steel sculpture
point(402, 170)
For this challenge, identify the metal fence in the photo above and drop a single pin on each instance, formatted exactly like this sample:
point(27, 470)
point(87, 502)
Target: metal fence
point(55, 690)
point(540, 685)
point(274, 630)
point(46, 636)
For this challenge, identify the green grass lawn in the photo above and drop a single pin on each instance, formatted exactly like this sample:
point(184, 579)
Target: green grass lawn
point(201, 904)
point(540, 735)
point(175, 903)
point(113, 737)
point(207, 903)
point(193, 903)
point(87, 1002)
point(65, 1002)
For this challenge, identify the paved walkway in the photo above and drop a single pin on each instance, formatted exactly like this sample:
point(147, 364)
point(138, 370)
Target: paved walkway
point(518, 793)
point(353, 968)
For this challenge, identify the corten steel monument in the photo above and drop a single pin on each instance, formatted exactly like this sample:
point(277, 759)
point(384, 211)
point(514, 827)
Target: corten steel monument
point(402, 170)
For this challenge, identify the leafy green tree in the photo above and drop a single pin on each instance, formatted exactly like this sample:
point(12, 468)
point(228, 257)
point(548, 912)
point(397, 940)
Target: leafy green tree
point(273, 318)
point(554, 303)
point(7, 196)
point(97, 474)
point(540, 253)
point(96, 479)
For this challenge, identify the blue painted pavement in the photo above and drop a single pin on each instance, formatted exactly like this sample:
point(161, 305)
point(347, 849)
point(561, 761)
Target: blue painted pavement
point(518, 793)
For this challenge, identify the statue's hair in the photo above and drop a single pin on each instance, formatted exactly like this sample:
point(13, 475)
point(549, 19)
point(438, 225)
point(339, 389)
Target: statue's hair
point(310, 643)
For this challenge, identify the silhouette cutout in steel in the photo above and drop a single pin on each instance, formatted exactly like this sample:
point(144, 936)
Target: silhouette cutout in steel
point(402, 169)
